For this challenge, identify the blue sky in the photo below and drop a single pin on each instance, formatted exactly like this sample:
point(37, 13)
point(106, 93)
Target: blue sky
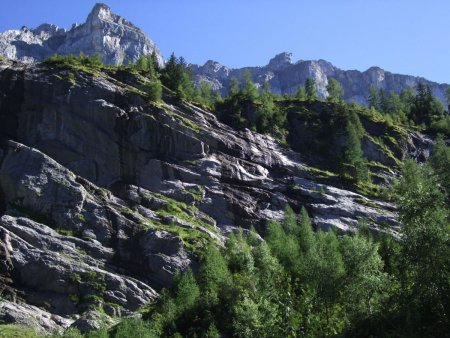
point(402, 36)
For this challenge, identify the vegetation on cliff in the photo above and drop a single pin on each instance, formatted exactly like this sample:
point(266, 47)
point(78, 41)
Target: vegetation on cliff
point(301, 283)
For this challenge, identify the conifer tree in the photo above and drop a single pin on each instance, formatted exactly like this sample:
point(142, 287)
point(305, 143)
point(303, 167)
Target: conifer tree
point(335, 90)
point(373, 98)
point(300, 93)
point(311, 89)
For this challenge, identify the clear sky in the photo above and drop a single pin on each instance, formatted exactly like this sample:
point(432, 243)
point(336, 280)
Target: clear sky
point(402, 36)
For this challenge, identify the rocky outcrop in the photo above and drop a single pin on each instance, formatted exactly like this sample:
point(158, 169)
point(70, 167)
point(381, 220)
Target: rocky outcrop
point(104, 33)
point(286, 76)
point(104, 195)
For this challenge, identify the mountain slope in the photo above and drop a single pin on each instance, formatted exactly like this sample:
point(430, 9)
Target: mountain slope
point(112, 37)
point(105, 194)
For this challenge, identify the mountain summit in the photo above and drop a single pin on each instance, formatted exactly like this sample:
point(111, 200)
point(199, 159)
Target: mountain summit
point(115, 39)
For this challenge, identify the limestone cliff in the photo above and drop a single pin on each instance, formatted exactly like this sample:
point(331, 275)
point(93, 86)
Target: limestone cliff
point(285, 76)
point(115, 39)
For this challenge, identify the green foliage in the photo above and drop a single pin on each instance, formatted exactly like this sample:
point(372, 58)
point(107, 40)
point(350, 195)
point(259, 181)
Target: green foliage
point(205, 95)
point(310, 89)
point(89, 62)
point(426, 108)
point(440, 163)
point(300, 94)
point(148, 65)
point(16, 331)
point(233, 86)
point(353, 154)
point(249, 90)
point(425, 252)
point(335, 90)
point(177, 76)
point(373, 99)
point(134, 327)
point(154, 90)
point(364, 280)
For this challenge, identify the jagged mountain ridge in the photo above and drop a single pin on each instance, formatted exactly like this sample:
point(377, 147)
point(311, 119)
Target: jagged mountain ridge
point(112, 37)
point(285, 76)
point(118, 41)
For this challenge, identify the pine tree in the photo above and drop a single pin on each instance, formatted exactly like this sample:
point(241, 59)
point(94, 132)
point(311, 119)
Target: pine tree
point(373, 98)
point(311, 89)
point(440, 162)
point(300, 94)
point(250, 91)
point(335, 90)
point(233, 86)
point(305, 234)
point(425, 252)
point(353, 154)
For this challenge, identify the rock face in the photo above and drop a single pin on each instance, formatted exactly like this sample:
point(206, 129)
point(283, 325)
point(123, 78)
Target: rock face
point(285, 76)
point(105, 195)
point(105, 33)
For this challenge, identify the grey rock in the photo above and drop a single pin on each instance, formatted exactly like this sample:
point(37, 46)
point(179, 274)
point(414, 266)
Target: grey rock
point(286, 76)
point(92, 320)
point(115, 39)
point(164, 252)
point(32, 317)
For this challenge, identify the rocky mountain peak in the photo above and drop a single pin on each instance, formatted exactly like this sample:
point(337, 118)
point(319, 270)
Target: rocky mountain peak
point(280, 61)
point(100, 11)
point(105, 33)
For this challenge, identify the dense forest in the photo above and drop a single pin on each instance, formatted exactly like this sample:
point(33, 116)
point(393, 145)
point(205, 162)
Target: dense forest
point(292, 280)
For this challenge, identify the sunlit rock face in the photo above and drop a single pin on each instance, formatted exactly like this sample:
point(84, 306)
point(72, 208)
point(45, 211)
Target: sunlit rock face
point(286, 76)
point(115, 39)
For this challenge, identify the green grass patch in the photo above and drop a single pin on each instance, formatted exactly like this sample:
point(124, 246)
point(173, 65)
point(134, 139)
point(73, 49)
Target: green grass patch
point(16, 331)
point(370, 190)
point(384, 148)
point(194, 239)
point(319, 173)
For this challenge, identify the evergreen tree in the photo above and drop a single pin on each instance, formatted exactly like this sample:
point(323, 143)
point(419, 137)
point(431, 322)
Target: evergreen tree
point(186, 290)
point(147, 64)
point(283, 247)
point(407, 97)
point(425, 253)
point(335, 90)
point(310, 89)
point(177, 76)
point(353, 154)
point(373, 98)
point(326, 281)
point(233, 86)
point(250, 91)
point(204, 94)
point(300, 94)
point(266, 111)
point(440, 162)
point(426, 108)
point(213, 272)
point(305, 234)
point(365, 281)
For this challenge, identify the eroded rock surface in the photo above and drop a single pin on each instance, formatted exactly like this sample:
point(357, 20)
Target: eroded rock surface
point(104, 195)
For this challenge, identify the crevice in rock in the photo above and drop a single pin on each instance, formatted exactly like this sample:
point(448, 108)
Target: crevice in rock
point(12, 91)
